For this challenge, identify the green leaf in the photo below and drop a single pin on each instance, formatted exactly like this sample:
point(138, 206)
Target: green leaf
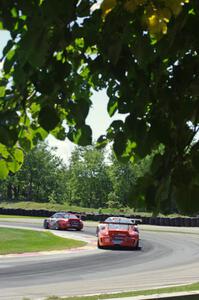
point(143, 51)
point(130, 146)
point(10, 54)
point(9, 61)
point(13, 166)
point(81, 136)
point(86, 136)
point(115, 48)
point(78, 111)
point(59, 133)
point(3, 169)
point(48, 118)
point(3, 151)
point(2, 91)
point(119, 145)
point(60, 70)
point(34, 38)
point(14, 12)
point(8, 136)
point(115, 127)
point(38, 134)
point(102, 142)
point(18, 155)
point(26, 143)
point(7, 48)
point(112, 106)
point(137, 130)
point(17, 160)
point(9, 118)
point(1, 25)
point(35, 108)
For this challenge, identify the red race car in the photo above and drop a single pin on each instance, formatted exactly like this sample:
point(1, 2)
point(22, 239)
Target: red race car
point(63, 220)
point(117, 231)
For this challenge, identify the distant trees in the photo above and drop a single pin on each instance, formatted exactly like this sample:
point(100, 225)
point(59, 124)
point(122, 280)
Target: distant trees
point(122, 178)
point(92, 179)
point(40, 179)
point(89, 183)
point(89, 180)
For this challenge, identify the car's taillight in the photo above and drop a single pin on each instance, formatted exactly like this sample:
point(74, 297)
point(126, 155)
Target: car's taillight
point(134, 234)
point(62, 221)
point(135, 228)
point(104, 232)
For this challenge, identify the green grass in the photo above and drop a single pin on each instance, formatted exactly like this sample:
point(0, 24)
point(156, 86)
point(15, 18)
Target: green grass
point(182, 288)
point(67, 207)
point(21, 240)
point(45, 205)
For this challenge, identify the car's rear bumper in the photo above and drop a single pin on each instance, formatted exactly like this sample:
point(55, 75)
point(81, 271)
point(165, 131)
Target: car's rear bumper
point(108, 242)
point(66, 226)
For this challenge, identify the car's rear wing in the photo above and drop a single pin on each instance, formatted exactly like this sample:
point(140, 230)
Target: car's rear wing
point(136, 221)
point(120, 223)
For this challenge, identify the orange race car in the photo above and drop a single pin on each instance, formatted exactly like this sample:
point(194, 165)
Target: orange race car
point(118, 231)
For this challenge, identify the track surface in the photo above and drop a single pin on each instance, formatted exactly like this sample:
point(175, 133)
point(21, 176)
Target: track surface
point(165, 259)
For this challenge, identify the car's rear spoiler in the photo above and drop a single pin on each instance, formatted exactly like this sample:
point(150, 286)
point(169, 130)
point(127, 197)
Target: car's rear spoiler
point(136, 221)
point(123, 223)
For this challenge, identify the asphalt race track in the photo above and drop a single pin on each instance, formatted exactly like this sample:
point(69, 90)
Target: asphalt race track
point(165, 259)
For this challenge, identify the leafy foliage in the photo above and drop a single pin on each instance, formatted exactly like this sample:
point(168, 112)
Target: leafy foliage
point(41, 178)
point(148, 62)
point(123, 179)
point(88, 182)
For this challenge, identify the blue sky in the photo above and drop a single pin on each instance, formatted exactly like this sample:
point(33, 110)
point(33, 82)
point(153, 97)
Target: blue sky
point(98, 117)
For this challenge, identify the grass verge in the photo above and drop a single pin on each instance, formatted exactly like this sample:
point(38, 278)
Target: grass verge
point(66, 207)
point(173, 289)
point(21, 240)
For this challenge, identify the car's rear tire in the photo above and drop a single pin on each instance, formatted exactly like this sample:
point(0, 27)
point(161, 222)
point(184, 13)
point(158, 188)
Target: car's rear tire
point(98, 245)
point(46, 226)
point(56, 226)
point(137, 246)
point(97, 231)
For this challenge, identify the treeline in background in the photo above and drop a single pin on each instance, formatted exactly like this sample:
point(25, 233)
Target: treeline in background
point(92, 179)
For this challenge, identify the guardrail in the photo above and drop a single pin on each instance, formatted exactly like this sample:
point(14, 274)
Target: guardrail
point(162, 221)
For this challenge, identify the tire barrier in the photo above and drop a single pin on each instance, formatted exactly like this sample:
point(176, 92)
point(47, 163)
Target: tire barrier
point(161, 221)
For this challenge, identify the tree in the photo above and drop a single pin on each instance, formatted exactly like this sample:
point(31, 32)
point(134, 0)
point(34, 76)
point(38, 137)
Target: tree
point(122, 178)
point(148, 63)
point(42, 178)
point(88, 181)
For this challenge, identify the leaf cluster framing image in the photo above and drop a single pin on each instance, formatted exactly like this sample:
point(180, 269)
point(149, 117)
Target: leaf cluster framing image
point(144, 53)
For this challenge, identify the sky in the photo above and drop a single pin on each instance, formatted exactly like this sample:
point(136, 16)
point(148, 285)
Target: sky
point(98, 117)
